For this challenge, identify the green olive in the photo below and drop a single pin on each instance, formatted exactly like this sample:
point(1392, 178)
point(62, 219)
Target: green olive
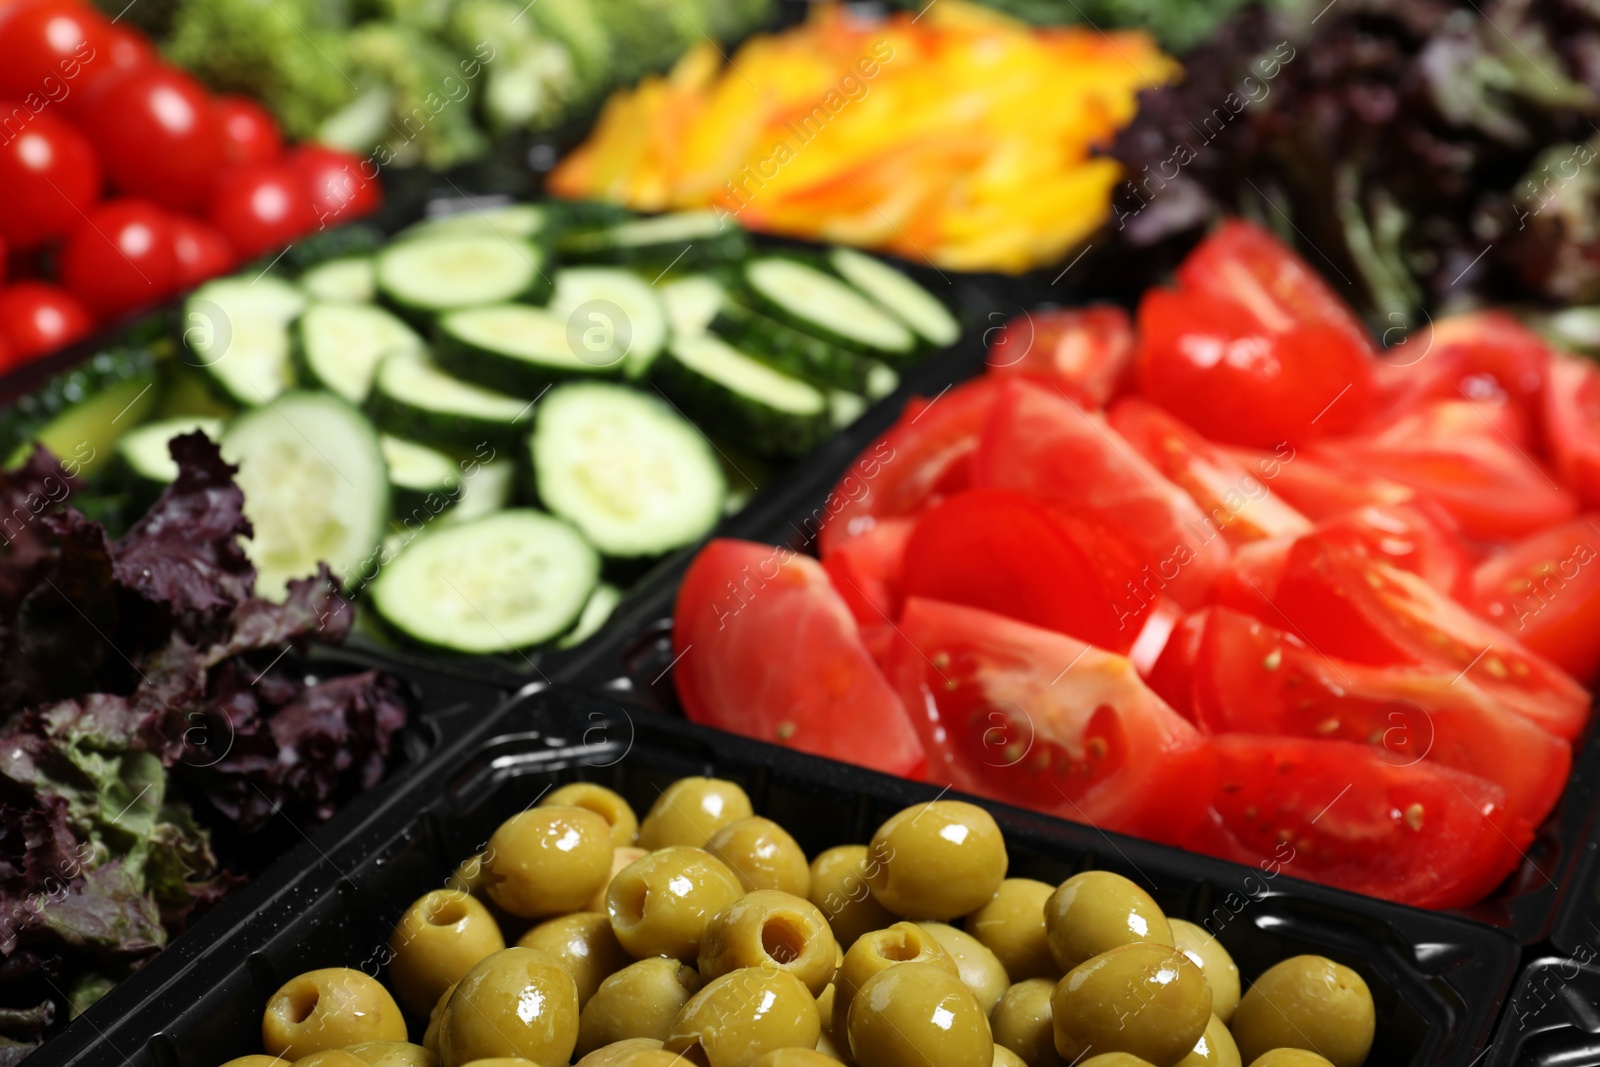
point(738, 1018)
point(518, 1002)
point(914, 1014)
point(1012, 926)
point(470, 875)
point(1021, 1022)
point(1095, 911)
point(1214, 1049)
point(430, 1036)
point(329, 1009)
point(1307, 1002)
point(584, 944)
point(1289, 1057)
point(937, 861)
point(618, 1053)
point(548, 861)
point(825, 1006)
point(330, 1057)
point(979, 968)
point(690, 811)
point(770, 928)
point(501, 1061)
point(1207, 953)
point(641, 1000)
point(620, 858)
point(762, 854)
point(1115, 1059)
point(876, 952)
point(796, 1057)
point(393, 1054)
point(255, 1060)
point(661, 905)
point(437, 940)
point(603, 802)
point(1142, 998)
point(839, 888)
point(1004, 1057)
point(827, 1046)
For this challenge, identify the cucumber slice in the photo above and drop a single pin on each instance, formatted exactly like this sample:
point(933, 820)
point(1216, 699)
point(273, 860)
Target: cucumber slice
point(339, 346)
point(789, 350)
point(503, 582)
point(821, 304)
point(691, 303)
point(237, 330)
point(881, 380)
point(412, 398)
point(80, 414)
point(430, 274)
point(350, 279)
point(315, 487)
point(903, 298)
point(613, 314)
point(766, 412)
point(602, 602)
point(485, 488)
point(845, 408)
point(518, 349)
point(507, 220)
point(634, 476)
point(143, 450)
point(421, 479)
point(688, 240)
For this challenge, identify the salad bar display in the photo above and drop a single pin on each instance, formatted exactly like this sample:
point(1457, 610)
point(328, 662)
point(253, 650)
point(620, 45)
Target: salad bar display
point(761, 533)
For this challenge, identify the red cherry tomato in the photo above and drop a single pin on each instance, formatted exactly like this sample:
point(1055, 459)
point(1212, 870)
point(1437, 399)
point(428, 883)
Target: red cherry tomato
point(120, 257)
point(338, 190)
point(249, 132)
point(259, 209)
point(200, 250)
point(48, 48)
point(48, 176)
point(38, 318)
point(124, 50)
point(157, 130)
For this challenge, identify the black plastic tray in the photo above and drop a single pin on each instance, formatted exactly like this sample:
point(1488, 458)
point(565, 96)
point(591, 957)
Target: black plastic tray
point(1437, 981)
point(1553, 1016)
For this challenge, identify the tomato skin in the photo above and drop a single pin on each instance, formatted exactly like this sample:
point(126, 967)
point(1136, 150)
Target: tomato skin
point(1572, 425)
point(120, 257)
point(48, 175)
point(200, 250)
point(867, 570)
point(158, 131)
point(49, 47)
point(250, 134)
point(1418, 537)
point(261, 209)
point(339, 191)
point(825, 695)
point(1479, 356)
point(1317, 482)
point(1033, 717)
point(1088, 352)
point(1545, 591)
point(38, 319)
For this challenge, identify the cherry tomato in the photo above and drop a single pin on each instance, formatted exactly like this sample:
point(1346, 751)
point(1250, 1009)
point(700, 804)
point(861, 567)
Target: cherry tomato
point(200, 250)
point(48, 176)
point(1088, 352)
point(261, 209)
point(120, 257)
point(1545, 592)
point(48, 48)
point(1572, 425)
point(124, 50)
point(159, 134)
point(740, 600)
point(249, 132)
point(338, 190)
point(37, 319)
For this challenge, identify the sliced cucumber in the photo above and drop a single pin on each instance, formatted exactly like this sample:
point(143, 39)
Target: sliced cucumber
point(634, 476)
point(881, 380)
point(485, 488)
point(821, 304)
point(507, 220)
point(613, 314)
point(339, 346)
point(503, 582)
point(691, 303)
point(687, 240)
point(315, 486)
point(237, 330)
point(769, 413)
point(421, 478)
point(427, 275)
point(845, 408)
point(143, 450)
point(350, 279)
point(412, 398)
point(907, 301)
point(792, 351)
point(518, 349)
point(602, 602)
point(80, 414)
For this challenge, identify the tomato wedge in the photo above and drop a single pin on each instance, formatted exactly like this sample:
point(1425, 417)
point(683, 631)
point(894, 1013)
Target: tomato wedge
point(1038, 442)
point(1317, 483)
point(1417, 537)
point(740, 605)
point(1088, 351)
point(1235, 499)
point(1481, 355)
point(1572, 425)
point(1339, 813)
point(1033, 717)
point(1250, 677)
point(866, 570)
point(1545, 591)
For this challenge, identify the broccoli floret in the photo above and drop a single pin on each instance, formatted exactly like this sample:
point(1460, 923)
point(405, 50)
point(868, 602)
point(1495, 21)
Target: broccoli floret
point(733, 19)
point(430, 15)
point(530, 79)
point(647, 35)
point(429, 117)
point(286, 53)
point(577, 25)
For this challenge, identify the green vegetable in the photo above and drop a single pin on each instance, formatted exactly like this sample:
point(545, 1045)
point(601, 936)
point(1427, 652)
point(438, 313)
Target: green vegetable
point(428, 118)
point(531, 78)
point(80, 414)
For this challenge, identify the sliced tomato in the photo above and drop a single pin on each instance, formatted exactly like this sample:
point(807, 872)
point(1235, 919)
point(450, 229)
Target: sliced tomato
point(1572, 425)
point(1040, 443)
point(1480, 356)
point(1419, 537)
point(866, 570)
point(740, 602)
point(1172, 674)
point(1545, 592)
point(1250, 677)
point(1033, 717)
point(926, 454)
point(1250, 584)
point(1344, 603)
point(1087, 351)
point(1339, 813)
point(1317, 483)
point(1235, 499)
